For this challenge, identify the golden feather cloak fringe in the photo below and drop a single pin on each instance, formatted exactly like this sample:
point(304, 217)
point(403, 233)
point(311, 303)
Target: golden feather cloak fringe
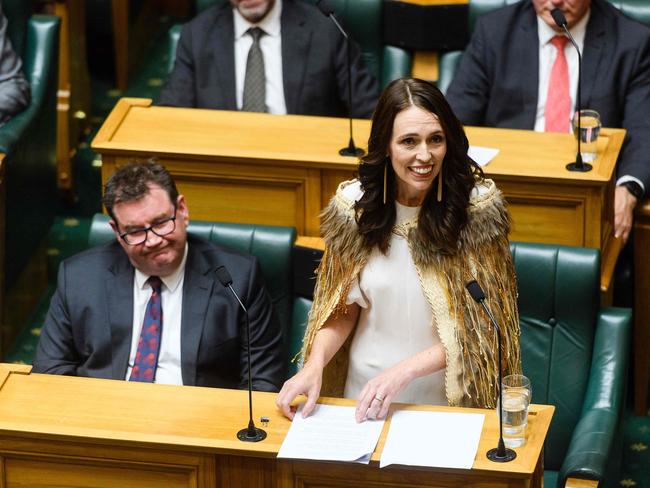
point(468, 337)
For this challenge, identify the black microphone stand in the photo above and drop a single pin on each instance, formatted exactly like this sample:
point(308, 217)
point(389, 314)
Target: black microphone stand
point(250, 433)
point(578, 164)
point(499, 454)
point(351, 149)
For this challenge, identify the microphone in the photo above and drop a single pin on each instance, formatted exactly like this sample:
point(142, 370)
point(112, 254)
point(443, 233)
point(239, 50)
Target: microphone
point(250, 433)
point(499, 454)
point(560, 21)
point(327, 11)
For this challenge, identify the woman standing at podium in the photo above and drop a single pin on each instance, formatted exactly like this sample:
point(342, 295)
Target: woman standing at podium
point(391, 319)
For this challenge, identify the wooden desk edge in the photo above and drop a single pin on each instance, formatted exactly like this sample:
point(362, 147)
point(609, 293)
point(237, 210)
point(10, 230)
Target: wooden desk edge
point(7, 369)
point(115, 118)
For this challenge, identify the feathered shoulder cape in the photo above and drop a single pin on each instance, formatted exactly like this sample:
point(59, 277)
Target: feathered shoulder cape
point(463, 327)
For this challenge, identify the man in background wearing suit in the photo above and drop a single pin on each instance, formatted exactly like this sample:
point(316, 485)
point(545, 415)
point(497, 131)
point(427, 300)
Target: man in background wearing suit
point(14, 89)
point(505, 80)
point(275, 56)
point(149, 307)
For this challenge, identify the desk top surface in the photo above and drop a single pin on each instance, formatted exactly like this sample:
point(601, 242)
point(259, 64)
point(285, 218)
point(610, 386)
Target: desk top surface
point(109, 411)
point(135, 127)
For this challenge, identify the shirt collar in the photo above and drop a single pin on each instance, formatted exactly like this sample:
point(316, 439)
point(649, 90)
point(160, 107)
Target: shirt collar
point(578, 31)
point(171, 281)
point(269, 24)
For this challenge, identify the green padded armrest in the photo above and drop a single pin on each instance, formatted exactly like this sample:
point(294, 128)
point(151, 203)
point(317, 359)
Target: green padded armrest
point(397, 63)
point(592, 438)
point(447, 69)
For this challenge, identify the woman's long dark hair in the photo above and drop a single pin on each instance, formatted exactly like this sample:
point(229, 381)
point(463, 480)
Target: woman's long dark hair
point(439, 223)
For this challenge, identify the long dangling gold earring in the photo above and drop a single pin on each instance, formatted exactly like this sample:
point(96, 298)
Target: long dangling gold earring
point(385, 177)
point(439, 196)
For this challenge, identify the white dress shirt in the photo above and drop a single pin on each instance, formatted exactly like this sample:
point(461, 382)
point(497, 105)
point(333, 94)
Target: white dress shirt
point(271, 46)
point(169, 358)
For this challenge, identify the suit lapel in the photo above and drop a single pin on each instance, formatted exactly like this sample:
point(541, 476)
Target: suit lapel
point(197, 288)
point(119, 302)
point(528, 66)
point(593, 50)
point(220, 53)
point(296, 41)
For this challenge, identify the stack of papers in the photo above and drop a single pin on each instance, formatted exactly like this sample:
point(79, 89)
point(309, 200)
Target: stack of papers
point(331, 433)
point(415, 438)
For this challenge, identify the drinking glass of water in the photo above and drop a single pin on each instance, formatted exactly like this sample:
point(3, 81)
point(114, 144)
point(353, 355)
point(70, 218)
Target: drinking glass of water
point(516, 398)
point(589, 129)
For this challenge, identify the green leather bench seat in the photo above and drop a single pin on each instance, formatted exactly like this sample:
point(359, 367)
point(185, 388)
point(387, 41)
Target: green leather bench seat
point(575, 353)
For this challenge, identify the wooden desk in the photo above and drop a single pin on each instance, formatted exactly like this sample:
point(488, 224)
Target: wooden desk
point(66, 431)
point(282, 170)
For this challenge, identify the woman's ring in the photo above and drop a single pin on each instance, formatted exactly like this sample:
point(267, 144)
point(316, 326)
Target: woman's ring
point(379, 398)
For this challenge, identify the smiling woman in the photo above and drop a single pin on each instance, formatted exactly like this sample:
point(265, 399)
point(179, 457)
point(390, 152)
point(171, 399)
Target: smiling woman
point(391, 320)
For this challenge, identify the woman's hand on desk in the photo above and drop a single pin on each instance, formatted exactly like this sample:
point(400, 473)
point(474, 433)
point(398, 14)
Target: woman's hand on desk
point(306, 382)
point(379, 392)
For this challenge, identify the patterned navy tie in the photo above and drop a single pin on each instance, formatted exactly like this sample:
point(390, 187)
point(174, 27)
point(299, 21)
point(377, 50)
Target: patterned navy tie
point(146, 357)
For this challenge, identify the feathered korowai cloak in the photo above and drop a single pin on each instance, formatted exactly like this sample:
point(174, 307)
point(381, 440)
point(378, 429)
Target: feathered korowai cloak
point(468, 337)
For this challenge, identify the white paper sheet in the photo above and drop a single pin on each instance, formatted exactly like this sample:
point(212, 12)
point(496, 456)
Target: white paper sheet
point(331, 433)
point(440, 439)
point(482, 155)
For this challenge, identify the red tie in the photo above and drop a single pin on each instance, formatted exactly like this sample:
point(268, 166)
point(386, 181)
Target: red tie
point(558, 100)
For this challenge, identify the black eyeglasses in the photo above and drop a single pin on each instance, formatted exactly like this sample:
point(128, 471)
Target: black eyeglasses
point(161, 229)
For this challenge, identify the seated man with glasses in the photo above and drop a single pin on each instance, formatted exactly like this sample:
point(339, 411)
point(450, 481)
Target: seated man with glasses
point(149, 306)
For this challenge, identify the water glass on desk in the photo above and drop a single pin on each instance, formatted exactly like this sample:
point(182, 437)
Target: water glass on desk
point(516, 398)
point(589, 129)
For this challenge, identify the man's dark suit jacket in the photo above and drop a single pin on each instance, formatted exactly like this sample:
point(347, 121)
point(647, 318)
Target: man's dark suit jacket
point(314, 66)
point(497, 81)
point(89, 325)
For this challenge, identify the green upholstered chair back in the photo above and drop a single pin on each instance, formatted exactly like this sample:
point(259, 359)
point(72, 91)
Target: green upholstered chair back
point(558, 307)
point(271, 245)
